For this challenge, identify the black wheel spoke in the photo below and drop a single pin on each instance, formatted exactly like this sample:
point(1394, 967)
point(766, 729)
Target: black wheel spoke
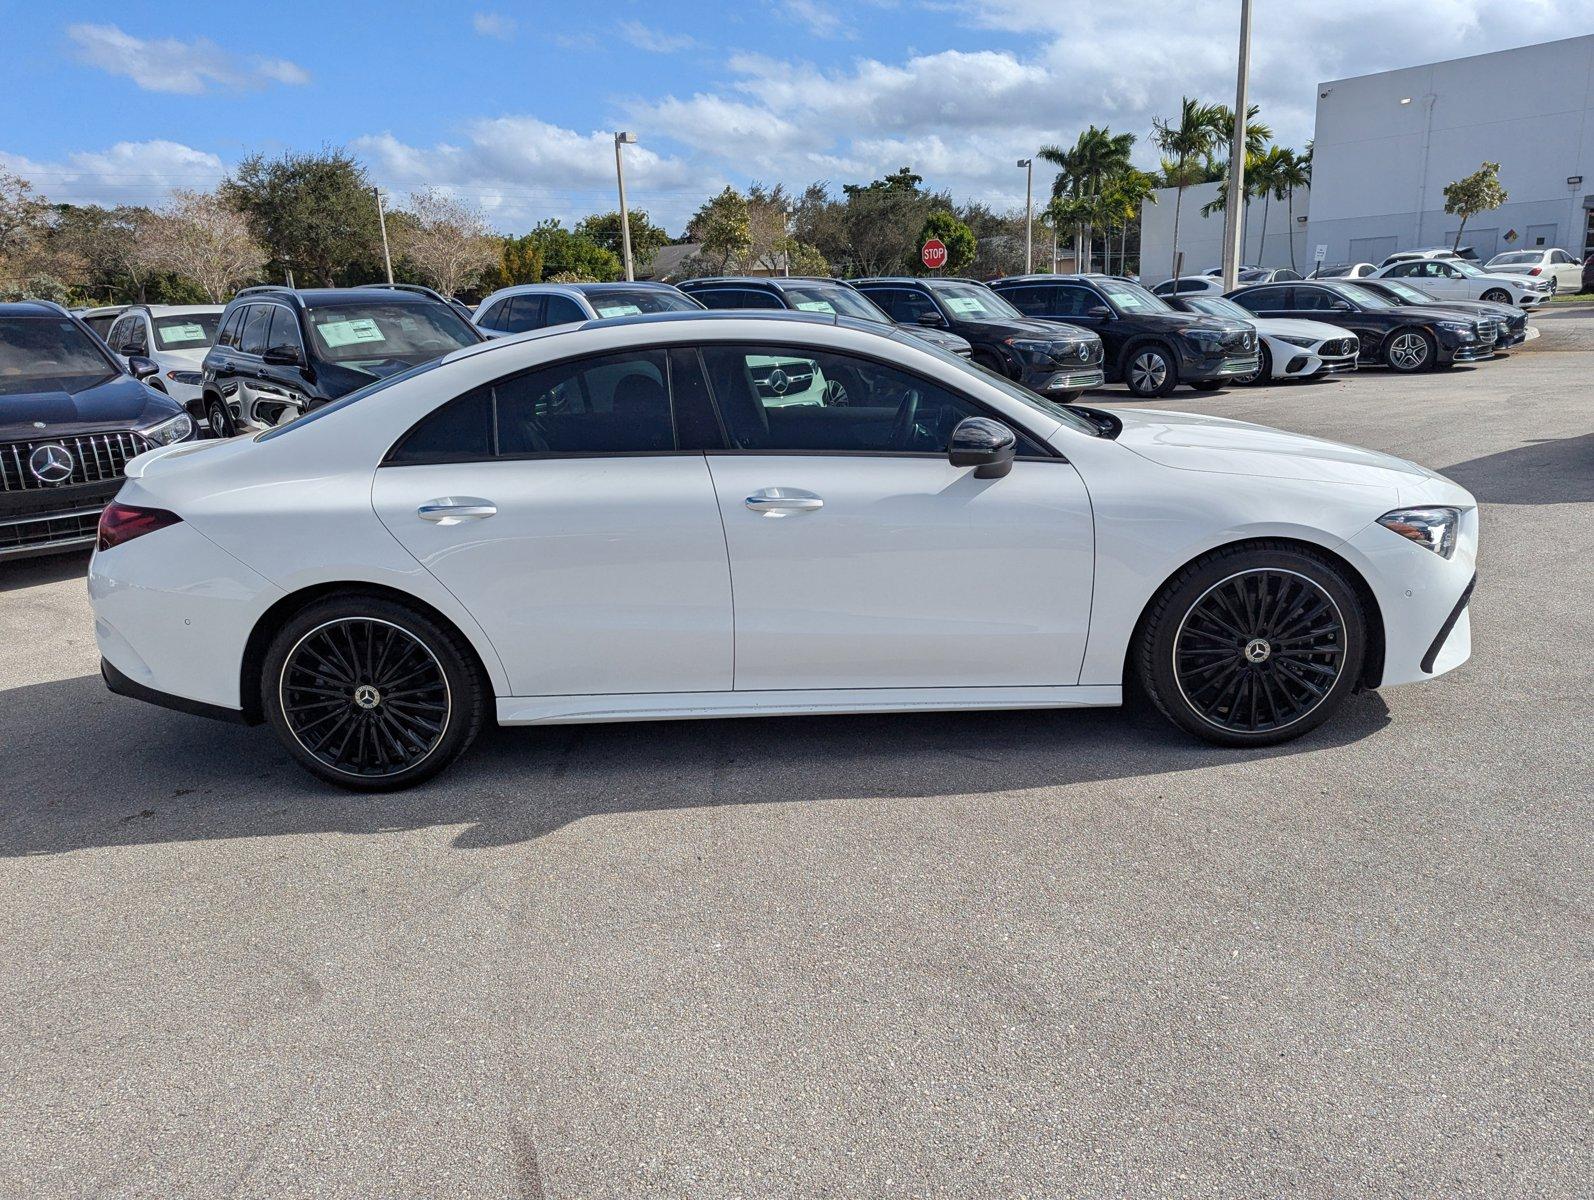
point(365, 697)
point(1259, 650)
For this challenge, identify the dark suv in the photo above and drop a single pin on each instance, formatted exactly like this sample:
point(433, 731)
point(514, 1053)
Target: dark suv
point(1149, 346)
point(282, 352)
point(71, 415)
point(1057, 361)
point(811, 294)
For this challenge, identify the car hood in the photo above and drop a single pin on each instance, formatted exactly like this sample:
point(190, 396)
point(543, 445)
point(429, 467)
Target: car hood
point(121, 402)
point(1032, 327)
point(1291, 327)
point(1193, 442)
point(938, 337)
point(1479, 308)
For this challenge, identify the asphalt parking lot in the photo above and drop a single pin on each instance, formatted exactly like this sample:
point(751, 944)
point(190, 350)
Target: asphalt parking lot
point(1042, 954)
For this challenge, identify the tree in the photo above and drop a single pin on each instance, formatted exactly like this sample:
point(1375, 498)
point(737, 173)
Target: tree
point(722, 231)
point(313, 212)
point(768, 226)
point(200, 237)
point(1187, 142)
point(1086, 170)
point(22, 215)
point(446, 241)
point(571, 256)
point(958, 238)
point(603, 229)
point(1473, 194)
point(1292, 174)
point(519, 261)
point(1127, 194)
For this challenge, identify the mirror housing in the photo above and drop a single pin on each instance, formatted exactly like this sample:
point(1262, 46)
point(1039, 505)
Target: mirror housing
point(1098, 310)
point(986, 445)
point(931, 318)
point(140, 367)
point(1341, 306)
point(282, 356)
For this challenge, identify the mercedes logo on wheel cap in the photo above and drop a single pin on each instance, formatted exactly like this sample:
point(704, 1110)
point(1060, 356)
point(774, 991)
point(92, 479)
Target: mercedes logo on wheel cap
point(51, 463)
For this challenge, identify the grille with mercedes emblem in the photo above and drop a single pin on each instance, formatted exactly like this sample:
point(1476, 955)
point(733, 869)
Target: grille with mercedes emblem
point(67, 461)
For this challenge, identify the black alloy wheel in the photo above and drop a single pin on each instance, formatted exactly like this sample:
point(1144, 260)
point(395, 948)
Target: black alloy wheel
point(370, 695)
point(1253, 645)
point(1264, 368)
point(218, 419)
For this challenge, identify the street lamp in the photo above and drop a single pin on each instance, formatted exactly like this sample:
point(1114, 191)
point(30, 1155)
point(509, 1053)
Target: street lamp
point(623, 139)
point(1029, 214)
point(381, 219)
point(1234, 212)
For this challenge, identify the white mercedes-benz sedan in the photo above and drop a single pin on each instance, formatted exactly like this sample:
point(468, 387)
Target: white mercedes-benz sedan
point(721, 514)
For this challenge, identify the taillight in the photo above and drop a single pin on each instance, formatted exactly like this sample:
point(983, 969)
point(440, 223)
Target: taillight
point(123, 522)
point(1536, 271)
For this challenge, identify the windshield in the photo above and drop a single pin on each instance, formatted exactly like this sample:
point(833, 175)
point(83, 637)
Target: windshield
point(1406, 292)
point(1130, 297)
point(192, 332)
point(1465, 268)
point(378, 333)
point(49, 354)
point(1218, 306)
point(377, 385)
point(1057, 412)
point(974, 301)
point(832, 298)
point(627, 302)
point(1516, 256)
point(1366, 297)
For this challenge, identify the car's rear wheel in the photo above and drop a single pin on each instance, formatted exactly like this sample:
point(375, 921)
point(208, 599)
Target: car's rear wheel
point(1206, 385)
point(1253, 645)
point(218, 419)
point(371, 695)
point(1410, 350)
point(1497, 296)
point(1150, 371)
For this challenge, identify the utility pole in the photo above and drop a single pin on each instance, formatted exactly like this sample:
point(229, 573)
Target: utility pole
point(1029, 215)
point(1234, 205)
point(381, 219)
point(623, 139)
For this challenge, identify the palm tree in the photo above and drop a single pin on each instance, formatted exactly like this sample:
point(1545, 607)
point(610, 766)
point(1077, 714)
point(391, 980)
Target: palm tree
point(1185, 143)
point(1294, 171)
point(1087, 169)
point(1257, 135)
point(1126, 194)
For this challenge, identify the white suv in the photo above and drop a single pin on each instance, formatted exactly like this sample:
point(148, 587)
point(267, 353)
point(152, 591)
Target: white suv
point(176, 336)
point(1458, 279)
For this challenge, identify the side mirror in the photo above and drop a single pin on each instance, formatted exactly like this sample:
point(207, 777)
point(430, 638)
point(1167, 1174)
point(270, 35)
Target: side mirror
point(931, 318)
point(1341, 306)
point(282, 356)
point(1098, 310)
point(986, 445)
point(142, 368)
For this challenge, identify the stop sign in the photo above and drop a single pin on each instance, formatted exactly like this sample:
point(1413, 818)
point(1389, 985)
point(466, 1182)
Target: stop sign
point(933, 254)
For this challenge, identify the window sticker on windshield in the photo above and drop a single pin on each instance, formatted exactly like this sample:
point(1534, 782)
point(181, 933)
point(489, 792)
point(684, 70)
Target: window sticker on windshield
point(617, 310)
point(816, 306)
point(964, 304)
point(177, 335)
point(347, 333)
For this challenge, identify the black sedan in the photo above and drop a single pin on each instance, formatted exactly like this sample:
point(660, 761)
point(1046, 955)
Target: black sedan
point(1405, 339)
point(1510, 322)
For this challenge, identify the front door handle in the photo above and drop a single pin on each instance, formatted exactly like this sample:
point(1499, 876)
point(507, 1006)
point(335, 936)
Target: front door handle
point(779, 501)
point(451, 510)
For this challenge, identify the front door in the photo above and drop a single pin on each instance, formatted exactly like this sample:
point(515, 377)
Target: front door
point(558, 507)
point(861, 558)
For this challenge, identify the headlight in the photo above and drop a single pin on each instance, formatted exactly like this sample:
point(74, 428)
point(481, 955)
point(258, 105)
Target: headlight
point(1465, 328)
point(177, 429)
point(1044, 351)
point(1305, 343)
point(1432, 528)
point(1210, 340)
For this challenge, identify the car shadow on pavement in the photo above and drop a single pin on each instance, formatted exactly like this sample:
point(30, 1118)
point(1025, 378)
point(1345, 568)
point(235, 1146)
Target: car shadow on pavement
point(86, 769)
point(32, 572)
point(1545, 471)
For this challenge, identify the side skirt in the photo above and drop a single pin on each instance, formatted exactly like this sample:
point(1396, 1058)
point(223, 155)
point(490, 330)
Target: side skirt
point(674, 706)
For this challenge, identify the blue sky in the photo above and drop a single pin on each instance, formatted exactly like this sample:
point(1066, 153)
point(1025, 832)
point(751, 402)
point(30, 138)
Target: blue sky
point(511, 105)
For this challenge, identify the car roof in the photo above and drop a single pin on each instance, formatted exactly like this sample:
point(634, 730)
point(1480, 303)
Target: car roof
point(327, 297)
point(167, 310)
point(32, 308)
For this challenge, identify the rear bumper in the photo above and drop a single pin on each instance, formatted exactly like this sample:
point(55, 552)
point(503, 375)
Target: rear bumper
point(123, 686)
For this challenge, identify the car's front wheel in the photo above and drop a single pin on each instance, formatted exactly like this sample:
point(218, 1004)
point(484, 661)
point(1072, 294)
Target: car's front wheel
point(1410, 350)
point(1253, 645)
point(1264, 368)
point(371, 695)
point(1497, 296)
point(1150, 371)
point(218, 420)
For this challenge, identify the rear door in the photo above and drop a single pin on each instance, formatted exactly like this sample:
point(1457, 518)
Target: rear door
point(571, 510)
point(862, 558)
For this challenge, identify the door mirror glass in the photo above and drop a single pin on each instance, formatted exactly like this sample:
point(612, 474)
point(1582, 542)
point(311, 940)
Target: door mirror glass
point(986, 445)
point(142, 368)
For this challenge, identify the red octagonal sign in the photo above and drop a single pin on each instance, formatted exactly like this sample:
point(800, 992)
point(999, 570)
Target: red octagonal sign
point(934, 253)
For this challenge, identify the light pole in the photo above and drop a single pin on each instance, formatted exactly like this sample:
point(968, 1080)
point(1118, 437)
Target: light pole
point(1029, 215)
point(623, 139)
point(381, 219)
point(1234, 210)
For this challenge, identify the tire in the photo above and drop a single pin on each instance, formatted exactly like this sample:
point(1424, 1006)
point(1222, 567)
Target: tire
point(1206, 385)
point(1496, 296)
point(1264, 371)
point(217, 419)
point(1233, 679)
point(1555, 285)
point(1410, 350)
point(1149, 370)
point(1068, 397)
point(367, 651)
point(990, 362)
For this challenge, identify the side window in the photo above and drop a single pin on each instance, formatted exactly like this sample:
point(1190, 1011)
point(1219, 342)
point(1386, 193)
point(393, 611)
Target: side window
point(285, 332)
point(138, 333)
point(1310, 299)
point(907, 305)
point(1031, 300)
point(520, 314)
point(1259, 298)
point(1191, 285)
point(1286, 275)
point(493, 318)
point(613, 404)
point(256, 326)
point(1406, 270)
point(118, 338)
point(1075, 301)
point(714, 297)
point(561, 310)
point(1441, 270)
point(229, 330)
point(777, 401)
point(459, 431)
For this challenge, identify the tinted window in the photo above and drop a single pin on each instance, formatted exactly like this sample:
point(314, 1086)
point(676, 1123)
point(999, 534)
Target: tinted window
point(903, 304)
point(724, 298)
point(613, 404)
point(229, 330)
point(1285, 274)
point(1258, 298)
point(1028, 299)
point(775, 400)
point(561, 310)
point(493, 318)
point(1191, 285)
point(285, 332)
point(101, 325)
point(121, 336)
point(520, 313)
point(256, 328)
point(459, 431)
point(49, 354)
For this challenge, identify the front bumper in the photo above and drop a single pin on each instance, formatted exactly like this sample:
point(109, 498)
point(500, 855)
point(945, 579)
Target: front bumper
point(1066, 379)
point(1198, 370)
point(1473, 352)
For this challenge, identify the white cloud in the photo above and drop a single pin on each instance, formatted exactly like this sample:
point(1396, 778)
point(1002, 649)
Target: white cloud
point(126, 173)
point(817, 17)
point(654, 40)
point(172, 65)
point(494, 25)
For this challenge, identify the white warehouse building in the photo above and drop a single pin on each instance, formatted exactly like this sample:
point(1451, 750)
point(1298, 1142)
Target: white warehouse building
point(1387, 144)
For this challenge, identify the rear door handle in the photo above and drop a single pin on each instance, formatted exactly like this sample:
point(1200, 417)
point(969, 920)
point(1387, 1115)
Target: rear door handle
point(779, 501)
point(451, 510)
